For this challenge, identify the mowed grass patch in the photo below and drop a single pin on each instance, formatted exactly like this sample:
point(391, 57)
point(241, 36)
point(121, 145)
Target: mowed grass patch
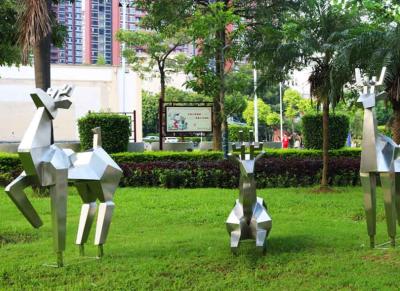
point(176, 239)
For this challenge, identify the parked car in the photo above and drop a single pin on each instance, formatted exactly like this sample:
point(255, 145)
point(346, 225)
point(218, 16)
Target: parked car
point(171, 139)
point(151, 138)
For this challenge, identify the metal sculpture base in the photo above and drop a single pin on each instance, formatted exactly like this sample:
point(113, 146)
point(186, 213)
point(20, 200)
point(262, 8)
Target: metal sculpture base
point(257, 228)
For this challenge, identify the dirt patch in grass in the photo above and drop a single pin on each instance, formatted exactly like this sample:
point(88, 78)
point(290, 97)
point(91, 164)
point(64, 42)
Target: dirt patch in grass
point(17, 238)
point(322, 190)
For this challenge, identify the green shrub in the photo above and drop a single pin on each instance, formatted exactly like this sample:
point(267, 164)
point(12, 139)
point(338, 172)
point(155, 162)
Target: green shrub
point(234, 129)
point(115, 131)
point(312, 131)
point(385, 130)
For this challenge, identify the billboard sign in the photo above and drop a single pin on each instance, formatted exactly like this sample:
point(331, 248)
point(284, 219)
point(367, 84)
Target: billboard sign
point(181, 119)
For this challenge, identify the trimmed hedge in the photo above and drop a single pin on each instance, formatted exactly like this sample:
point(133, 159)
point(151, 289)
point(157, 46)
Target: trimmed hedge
point(312, 131)
point(233, 132)
point(270, 172)
point(10, 167)
point(115, 131)
point(278, 168)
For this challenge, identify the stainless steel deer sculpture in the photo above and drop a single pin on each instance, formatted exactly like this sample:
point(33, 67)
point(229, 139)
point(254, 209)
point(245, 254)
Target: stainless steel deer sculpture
point(377, 158)
point(249, 218)
point(94, 173)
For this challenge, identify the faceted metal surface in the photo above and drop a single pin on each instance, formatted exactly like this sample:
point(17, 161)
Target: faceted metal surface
point(249, 218)
point(378, 157)
point(94, 173)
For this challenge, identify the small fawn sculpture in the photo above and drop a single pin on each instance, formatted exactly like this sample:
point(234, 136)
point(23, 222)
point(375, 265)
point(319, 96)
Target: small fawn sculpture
point(377, 158)
point(249, 218)
point(94, 173)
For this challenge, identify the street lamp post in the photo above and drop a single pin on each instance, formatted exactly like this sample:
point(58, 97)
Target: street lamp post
point(255, 104)
point(124, 4)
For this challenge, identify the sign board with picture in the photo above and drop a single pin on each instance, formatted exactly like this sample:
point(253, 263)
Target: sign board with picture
point(188, 119)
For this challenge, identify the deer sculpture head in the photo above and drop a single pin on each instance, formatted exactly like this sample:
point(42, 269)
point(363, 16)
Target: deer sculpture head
point(246, 161)
point(367, 86)
point(53, 99)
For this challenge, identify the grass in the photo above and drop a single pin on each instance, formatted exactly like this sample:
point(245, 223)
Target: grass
point(176, 239)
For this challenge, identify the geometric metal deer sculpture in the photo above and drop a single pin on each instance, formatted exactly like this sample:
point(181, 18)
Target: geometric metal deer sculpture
point(94, 173)
point(377, 159)
point(249, 218)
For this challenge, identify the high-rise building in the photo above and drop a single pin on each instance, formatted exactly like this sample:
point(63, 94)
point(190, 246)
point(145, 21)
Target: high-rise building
point(70, 15)
point(92, 25)
point(100, 29)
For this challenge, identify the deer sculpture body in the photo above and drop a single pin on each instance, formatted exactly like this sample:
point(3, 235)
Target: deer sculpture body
point(94, 173)
point(378, 158)
point(249, 218)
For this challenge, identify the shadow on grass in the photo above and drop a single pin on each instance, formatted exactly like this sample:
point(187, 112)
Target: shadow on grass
point(17, 237)
point(291, 244)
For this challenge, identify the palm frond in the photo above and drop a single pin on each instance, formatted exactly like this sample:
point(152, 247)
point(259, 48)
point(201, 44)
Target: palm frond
point(34, 24)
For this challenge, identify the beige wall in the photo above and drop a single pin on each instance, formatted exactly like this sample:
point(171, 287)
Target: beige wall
point(96, 89)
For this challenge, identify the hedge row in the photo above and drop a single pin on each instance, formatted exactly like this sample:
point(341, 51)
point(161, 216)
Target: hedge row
point(279, 168)
point(207, 156)
point(270, 172)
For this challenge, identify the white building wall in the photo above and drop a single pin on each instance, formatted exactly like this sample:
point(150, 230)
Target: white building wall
point(96, 89)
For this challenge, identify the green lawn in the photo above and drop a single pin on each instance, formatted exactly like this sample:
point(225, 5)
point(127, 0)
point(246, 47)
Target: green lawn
point(176, 239)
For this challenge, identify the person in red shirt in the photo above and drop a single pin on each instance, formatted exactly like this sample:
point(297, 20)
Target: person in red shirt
point(285, 141)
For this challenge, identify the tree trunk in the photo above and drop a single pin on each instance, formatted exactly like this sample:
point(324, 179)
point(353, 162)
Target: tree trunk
point(218, 111)
point(217, 136)
point(325, 144)
point(41, 54)
point(396, 122)
point(161, 108)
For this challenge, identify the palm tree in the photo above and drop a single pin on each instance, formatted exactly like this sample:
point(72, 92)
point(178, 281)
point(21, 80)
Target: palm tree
point(372, 49)
point(308, 38)
point(35, 33)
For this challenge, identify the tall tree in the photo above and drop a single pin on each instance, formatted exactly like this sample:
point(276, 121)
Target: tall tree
point(154, 48)
point(217, 31)
point(308, 38)
point(218, 24)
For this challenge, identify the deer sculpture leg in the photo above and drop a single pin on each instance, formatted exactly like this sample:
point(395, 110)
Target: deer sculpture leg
point(397, 197)
point(388, 186)
point(58, 197)
point(368, 182)
point(106, 210)
point(233, 225)
point(15, 190)
point(88, 212)
point(263, 224)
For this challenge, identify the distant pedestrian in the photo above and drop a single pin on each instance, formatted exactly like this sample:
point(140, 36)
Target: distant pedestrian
point(297, 143)
point(285, 141)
